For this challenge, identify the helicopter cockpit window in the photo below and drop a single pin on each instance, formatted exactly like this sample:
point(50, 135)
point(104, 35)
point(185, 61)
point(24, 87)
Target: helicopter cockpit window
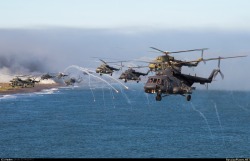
point(150, 80)
point(158, 81)
point(155, 80)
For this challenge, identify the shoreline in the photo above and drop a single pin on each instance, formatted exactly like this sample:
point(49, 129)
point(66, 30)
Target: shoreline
point(5, 89)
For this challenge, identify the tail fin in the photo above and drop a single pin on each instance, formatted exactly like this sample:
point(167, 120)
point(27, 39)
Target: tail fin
point(144, 74)
point(214, 74)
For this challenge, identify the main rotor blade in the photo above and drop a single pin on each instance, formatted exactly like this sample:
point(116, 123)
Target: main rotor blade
point(114, 61)
point(118, 61)
point(188, 50)
point(157, 49)
point(138, 66)
point(103, 61)
point(193, 61)
point(170, 52)
point(225, 57)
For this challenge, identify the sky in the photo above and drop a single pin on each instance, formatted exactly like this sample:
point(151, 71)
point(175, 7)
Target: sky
point(50, 35)
point(148, 14)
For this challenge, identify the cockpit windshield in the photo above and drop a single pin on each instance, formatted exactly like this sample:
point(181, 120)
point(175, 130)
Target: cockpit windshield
point(155, 80)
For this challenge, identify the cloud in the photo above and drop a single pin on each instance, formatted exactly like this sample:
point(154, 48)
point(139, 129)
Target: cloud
point(54, 49)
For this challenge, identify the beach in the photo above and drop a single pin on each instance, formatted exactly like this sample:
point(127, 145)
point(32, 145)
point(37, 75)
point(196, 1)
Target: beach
point(6, 89)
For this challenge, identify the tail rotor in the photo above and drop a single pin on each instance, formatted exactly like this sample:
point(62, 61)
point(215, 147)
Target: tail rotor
point(218, 70)
point(202, 53)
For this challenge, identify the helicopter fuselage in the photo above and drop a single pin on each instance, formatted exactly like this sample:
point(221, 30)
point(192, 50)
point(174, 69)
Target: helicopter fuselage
point(131, 74)
point(105, 69)
point(165, 83)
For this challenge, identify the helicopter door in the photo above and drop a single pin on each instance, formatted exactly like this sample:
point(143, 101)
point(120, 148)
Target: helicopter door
point(168, 84)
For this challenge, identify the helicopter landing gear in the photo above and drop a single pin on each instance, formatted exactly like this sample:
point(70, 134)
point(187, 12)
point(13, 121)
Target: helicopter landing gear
point(188, 97)
point(137, 81)
point(158, 97)
point(125, 80)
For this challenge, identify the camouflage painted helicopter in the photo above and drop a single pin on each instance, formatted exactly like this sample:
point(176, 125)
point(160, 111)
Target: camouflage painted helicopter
point(132, 74)
point(162, 62)
point(107, 69)
point(49, 76)
point(72, 81)
point(17, 82)
point(61, 75)
point(170, 81)
point(23, 83)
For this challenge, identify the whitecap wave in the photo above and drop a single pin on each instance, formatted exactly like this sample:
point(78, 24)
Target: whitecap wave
point(47, 91)
point(2, 97)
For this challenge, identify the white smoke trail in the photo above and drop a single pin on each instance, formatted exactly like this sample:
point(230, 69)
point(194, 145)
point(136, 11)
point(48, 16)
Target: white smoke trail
point(218, 117)
point(116, 80)
point(112, 78)
point(91, 89)
point(242, 107)
point(103, 97)
point(113, 97)
point(203, 116)
point(87, 71)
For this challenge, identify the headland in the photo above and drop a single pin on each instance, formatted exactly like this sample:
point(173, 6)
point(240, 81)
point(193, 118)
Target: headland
point(6, 89)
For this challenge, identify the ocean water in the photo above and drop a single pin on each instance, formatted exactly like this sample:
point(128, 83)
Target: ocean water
point(83, 122)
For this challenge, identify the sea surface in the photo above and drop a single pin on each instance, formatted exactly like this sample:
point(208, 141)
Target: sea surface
point(97, 122)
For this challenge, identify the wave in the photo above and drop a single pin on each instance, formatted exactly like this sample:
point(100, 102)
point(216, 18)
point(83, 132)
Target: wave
point(47, 91)
point(3, 97)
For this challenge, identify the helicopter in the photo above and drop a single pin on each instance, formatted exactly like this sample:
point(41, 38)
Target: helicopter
point(49, 76)
point(171, 81)
point(16, 82)
point(61, 75)
point(131, 74)
point(31, 82)
point(72, 81)
point(107, 69)
point(162, 62)
point(23, 83)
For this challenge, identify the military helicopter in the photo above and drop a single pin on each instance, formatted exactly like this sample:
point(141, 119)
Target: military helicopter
point(171, 81)
point(31, 82)
point(107, 69)
point(162, 62)
point(61, 75)
point(49, 76)
point(131, 74)
point(23, 83)
point(16, 82)
point(72, 81)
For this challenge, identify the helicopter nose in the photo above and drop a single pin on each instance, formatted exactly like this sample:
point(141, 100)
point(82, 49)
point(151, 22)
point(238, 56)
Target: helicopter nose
point(123, 76)
point(149, 88)
point(98, 70)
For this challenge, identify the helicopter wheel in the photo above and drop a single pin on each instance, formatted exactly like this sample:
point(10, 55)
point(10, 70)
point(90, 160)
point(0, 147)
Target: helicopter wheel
point(137, 81)
point(158, 97)
point(188, 97)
